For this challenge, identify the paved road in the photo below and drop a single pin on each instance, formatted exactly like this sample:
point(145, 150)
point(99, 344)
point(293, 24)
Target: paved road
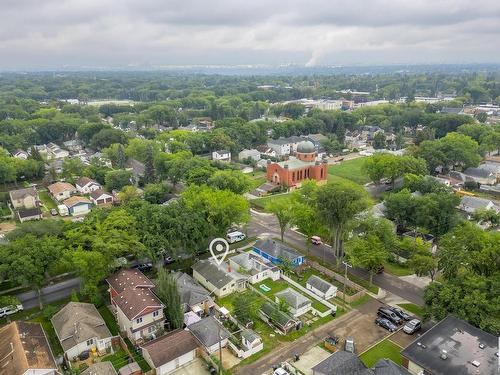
point(265, 223)
point(50, 293)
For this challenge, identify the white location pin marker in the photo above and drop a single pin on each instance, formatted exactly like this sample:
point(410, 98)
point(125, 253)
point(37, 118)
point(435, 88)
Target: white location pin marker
point(219, 248)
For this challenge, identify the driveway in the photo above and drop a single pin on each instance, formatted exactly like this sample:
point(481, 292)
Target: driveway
point(310, 359)
point(197, 367)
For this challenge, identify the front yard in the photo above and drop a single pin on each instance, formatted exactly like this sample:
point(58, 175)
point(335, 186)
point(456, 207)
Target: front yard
point(384, 349)
point(351, 170)
point(263, 202)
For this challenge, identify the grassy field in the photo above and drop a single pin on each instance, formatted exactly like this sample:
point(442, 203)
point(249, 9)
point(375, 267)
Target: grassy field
point(414, 309)
point(109, 319)
point(361, 301)
point(262, 202)
point(118, 359)
point(351, 170)
point(384, 349)
point(397, 269)
point(47, 200)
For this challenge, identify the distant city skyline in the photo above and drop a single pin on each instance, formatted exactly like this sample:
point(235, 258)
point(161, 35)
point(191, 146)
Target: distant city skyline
point(131, 34)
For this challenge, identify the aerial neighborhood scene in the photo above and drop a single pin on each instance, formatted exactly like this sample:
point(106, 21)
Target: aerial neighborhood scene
point(250, 188)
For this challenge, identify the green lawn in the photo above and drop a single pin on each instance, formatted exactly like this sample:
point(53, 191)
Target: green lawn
point(384, 350)
point(51, 334)
point(137, 357)
point(118, 359)
point(360, 301)
point(351, 170)
point(262, 202)
point(414, 309)
point(4, 210)
point(397, 269)
point(109, 319)
point(47, 200)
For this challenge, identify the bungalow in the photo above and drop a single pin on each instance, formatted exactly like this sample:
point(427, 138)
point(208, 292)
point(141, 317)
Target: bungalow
point(20, 154)
point(298, 303)
point(171, 351)
point(61, 190)
point(24, 349)
point(24, 198)
point(79, 327)
point(471, 204)
point(276, 252)
point(26, 214)
point(220, 280)
point(78, 205)
point(221, 155)
point(266, 151)
point(481, 176)
point(285, 323)
point(249, 154)
point(86, 185)
point(100, 368)
point(256, 267)
point(194, 297)
point(210, 333)
point(139, 312)
point(320, 287)
point(100, 198)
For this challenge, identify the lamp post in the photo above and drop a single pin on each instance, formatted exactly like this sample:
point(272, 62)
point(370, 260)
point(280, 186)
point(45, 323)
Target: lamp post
point(345, 276)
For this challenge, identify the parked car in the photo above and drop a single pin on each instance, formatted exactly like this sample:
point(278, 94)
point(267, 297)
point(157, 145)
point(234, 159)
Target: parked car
point(235, 237)
point(144, 267)
point(412, 326)
point(280, 371)
point(400, 313)
point(386, 323)
point(9, 310)
point(53, 212)
point(316, 240)
point(388, 314)
point(349, 345)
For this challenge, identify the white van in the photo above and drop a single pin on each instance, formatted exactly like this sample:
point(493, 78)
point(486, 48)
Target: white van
point(9, 310)
point(235, 237)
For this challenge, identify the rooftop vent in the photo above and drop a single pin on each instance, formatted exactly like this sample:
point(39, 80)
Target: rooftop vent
point(444, 354)
point(475, 363)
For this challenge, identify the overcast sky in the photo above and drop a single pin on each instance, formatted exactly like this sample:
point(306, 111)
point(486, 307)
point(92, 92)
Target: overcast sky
point(48, 34)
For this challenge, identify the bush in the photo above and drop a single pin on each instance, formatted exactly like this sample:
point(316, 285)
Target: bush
point(49, 311)
point(74, 296)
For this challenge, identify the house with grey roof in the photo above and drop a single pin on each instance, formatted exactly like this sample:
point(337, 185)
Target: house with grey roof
point(100, 368)
point(255, 267)
point(298, 303)
point(481, 175)
point(210, 333)
point(343, 363)
point(79, 327)
point(282, 321)
point(249, 154)
point(249, 343)
point(24, 198)
point(194, 297)
point(321, 287)
point(471, 204)
point(221, 280)
point(275, 252)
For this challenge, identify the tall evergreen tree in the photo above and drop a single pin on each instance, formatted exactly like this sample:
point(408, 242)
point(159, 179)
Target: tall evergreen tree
point(121, 159)
point(149, 172)
point(168, 293)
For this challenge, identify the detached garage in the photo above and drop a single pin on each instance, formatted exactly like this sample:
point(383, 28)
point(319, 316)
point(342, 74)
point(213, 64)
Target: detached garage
point(171, 351)
point(78, 205)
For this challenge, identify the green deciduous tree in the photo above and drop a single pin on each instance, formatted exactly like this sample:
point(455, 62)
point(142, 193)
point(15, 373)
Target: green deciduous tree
point(367, 252)
point(166, 289)
point(283, 210)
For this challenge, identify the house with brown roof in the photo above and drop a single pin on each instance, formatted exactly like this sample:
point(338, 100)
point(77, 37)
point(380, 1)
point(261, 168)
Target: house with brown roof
point(24, 349)
point(24, 198)
point(78, 205)
point(139, 311)
point(100, 197)
point(61, 190)
point(170, 351)
point(79, 327)
point(86, 185)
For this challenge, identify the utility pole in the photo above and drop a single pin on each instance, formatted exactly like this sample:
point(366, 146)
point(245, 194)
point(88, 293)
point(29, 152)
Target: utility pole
point(345, 276)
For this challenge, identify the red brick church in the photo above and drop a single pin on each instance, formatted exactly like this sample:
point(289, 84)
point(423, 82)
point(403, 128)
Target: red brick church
point(303, 166)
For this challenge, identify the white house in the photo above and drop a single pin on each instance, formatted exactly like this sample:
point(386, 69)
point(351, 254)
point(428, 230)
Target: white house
point(221, 280)
point(86, 185)
point(20, 154)
point(298, 303)
point(25, 350)
point(209, 332)
point(100, 197)
point(221, 155)
point(256, 267)
point(321, 288)
point(139, 311)
point(252, 154)
point(170, 352)
point(281, 146)
point(250, 343)
point(80, 327)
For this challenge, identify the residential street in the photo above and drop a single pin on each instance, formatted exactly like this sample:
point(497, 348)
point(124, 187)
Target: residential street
point(262, 223)
point(50, 293)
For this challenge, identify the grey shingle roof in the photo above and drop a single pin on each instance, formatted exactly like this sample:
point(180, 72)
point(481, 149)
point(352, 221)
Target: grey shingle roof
point(207, 331)
point(170, 346)
point(271, 310)
point(190, 291)
point(293, 298)
point(320, 284)
point(250, 335)
point(477, 172)
point(21, 193)
point(215, 275)
point(341, 363)
point(474, 202)
point(387, 367)
point(77, 322)
point(276, 249)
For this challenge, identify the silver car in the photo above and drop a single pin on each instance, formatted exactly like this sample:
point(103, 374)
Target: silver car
point(412, 326)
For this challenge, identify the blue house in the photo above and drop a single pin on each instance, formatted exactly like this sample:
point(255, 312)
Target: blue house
point(275, 251)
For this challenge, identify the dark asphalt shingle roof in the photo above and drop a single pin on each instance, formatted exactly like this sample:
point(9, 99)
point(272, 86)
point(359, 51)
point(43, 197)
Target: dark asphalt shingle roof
point(478, 172)
point(319, 284)
point(293, 298)
point(170, 346)
point(341, 363)
point(207, 331)
point(190, 291)
point(387, 367)
point(212, 273)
